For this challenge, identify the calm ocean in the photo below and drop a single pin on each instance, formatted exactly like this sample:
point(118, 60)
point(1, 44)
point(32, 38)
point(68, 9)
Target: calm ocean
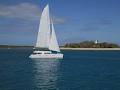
point(79, 70)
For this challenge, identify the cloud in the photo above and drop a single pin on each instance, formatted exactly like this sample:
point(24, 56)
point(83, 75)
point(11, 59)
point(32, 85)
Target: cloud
point(105, 22)
point(26, 11)
point(57, 20)
point(22, 11)
point(97, 25)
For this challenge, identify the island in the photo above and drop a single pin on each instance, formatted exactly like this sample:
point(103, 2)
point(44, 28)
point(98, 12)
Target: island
point(91, 44)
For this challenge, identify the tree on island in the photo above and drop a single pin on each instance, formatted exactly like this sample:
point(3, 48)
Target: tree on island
point(91, 44)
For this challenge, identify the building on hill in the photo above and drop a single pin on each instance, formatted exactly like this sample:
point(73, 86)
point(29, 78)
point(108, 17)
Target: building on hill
point(96, 42)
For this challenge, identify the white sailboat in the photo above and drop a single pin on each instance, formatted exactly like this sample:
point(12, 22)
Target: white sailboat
point(46, 38)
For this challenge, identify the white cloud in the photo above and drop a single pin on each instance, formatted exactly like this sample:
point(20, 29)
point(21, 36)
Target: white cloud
point(58, 20)
point(25, 11)
point(22, 11)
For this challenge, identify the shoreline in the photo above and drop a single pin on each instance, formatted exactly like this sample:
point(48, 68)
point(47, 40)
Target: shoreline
point(93, 49)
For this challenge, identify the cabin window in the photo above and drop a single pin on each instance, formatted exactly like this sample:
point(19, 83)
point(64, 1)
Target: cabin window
point(37, 53)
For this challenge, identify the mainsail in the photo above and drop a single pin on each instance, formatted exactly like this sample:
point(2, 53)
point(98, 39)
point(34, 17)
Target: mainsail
point(53, 45)
point(44, 29)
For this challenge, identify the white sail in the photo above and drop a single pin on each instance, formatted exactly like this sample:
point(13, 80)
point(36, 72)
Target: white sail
point(53, 41)
point(44, 29)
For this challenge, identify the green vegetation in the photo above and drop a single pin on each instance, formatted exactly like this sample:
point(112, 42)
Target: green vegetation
point(91, 44)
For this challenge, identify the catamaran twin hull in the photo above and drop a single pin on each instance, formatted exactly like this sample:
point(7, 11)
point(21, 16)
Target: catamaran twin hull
point(60, 56)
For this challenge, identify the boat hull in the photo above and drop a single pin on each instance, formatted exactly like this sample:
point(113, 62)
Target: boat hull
point(59, 56)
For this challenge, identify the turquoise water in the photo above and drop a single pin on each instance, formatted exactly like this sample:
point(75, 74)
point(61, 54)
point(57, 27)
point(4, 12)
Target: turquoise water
point(79, 70)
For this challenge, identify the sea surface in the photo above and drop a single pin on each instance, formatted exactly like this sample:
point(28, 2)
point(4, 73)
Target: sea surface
point(79, 70)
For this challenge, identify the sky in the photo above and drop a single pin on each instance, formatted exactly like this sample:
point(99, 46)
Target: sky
point(74, 20)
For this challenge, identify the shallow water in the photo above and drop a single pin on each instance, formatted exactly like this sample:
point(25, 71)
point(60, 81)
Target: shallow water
point(79, 70)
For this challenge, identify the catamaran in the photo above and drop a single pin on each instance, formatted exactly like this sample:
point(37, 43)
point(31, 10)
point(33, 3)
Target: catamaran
point(46, 45)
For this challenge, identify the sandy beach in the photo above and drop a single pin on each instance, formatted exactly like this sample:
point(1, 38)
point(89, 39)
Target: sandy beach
point(90, 49)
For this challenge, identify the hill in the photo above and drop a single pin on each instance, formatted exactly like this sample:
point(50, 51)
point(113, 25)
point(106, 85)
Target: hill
point(91, 44)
